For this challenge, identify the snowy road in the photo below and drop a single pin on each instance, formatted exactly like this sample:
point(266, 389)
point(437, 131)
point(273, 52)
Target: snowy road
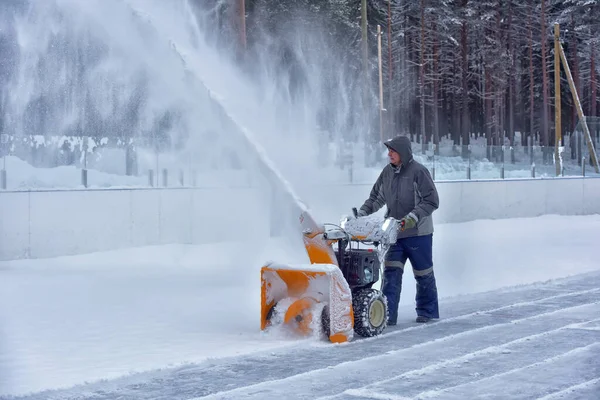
point(528, 342)
point(520, 319)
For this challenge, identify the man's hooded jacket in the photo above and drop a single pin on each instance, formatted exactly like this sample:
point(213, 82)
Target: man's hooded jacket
point(405, 189)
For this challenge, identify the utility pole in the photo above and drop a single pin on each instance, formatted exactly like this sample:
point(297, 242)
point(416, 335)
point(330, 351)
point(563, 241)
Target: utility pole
point(557, 121)
point(381, 109)
point(391, 128)
point(365, 54)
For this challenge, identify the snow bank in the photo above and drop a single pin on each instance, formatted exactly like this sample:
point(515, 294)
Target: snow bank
point(23, 176)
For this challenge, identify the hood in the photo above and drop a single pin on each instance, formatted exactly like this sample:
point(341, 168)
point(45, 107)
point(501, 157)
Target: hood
point(401, 145)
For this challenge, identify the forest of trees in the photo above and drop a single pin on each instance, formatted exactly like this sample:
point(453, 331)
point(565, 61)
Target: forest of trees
point(450, 67)
point(453, 69)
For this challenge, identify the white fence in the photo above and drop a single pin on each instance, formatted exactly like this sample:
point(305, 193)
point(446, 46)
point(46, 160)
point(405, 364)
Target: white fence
point(462, 201)
point(51, 223)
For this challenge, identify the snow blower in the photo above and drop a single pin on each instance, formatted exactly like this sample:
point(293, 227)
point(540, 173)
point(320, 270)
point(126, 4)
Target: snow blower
point(333, 295)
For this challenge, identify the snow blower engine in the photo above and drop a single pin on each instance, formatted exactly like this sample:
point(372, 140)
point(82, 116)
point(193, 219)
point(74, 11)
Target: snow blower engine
point(334, 294)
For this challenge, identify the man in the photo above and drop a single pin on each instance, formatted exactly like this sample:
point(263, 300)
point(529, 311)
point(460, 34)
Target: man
point(405, 186)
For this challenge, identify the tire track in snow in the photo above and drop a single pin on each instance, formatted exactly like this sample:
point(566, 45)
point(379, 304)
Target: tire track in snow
point(513, 390)
point(575, 361)
point(487, 363)
point(584, 390)
point(235, 373)
point(332, 380)
point(484, 311)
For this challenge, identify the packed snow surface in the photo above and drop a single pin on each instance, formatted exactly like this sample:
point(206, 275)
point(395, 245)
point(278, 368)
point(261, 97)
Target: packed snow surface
point(520, 318)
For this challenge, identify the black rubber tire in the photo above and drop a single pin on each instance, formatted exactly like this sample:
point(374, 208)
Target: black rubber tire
point(363, 301)
point(271, 314)
point(325, 322)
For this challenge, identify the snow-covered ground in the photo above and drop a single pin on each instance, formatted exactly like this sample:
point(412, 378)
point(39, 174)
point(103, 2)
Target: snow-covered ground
point(23, 176)
point(520, 298)
point(182, 322)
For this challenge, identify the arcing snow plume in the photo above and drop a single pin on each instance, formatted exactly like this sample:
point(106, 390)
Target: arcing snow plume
point(99, 68)
point(282, 130)
point(293, 111)
point(176, 23)
point(143, 70)
point(103, 67)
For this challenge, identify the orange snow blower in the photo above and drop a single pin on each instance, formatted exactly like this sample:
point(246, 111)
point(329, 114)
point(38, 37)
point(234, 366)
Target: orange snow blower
point(333, 295)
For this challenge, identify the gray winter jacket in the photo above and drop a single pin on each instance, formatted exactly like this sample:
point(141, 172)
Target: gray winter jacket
point(406, 189)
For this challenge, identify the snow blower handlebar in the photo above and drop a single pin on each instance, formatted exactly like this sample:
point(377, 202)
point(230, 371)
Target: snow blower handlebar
point(371, 229)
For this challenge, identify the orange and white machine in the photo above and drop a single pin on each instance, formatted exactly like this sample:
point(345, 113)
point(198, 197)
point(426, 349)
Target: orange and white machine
point(332, 295)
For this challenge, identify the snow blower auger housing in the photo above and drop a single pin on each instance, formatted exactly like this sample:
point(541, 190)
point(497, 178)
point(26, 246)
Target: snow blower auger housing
point(334, 294)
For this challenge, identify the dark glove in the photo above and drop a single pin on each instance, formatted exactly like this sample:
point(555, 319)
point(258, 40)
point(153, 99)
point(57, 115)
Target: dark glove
point(357, 213)
point(408, 222)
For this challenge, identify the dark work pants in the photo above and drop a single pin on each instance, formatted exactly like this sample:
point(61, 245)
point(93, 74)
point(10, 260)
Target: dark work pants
point(418, 250)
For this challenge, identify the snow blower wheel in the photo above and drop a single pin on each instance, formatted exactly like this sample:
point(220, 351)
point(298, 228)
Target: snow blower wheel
point(370, 312)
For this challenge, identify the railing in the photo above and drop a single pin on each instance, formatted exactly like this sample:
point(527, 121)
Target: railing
point(48, 223)
point(51, 223)
point(447, 163)
point(346, 164)
point(501, 162)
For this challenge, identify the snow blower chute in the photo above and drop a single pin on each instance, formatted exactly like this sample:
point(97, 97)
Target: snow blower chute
point(333, 295)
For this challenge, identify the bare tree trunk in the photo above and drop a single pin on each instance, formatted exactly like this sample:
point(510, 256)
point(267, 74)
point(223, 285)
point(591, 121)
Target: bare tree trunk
point(411, 85)
point(422, 76)
point(435, 109)
point(480, 128)
point(365, 70)
point(497, 118)
point(593, 82)
point(545, 94)
point(454, 106)
point(531, 89)
point(465, 125)
point(238, 21)
point(511, 83)
point(575, 72)
point(242, 22)
point(498, 90)
point(391, 119)
point(487, 95)
point(593, 97)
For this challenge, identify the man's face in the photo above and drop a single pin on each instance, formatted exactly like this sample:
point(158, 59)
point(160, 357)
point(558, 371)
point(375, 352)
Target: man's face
point(394, 157)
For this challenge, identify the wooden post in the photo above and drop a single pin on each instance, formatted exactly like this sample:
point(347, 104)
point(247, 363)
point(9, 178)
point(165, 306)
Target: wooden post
point(381, 109)
point(557, 121)
point(586, 130)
